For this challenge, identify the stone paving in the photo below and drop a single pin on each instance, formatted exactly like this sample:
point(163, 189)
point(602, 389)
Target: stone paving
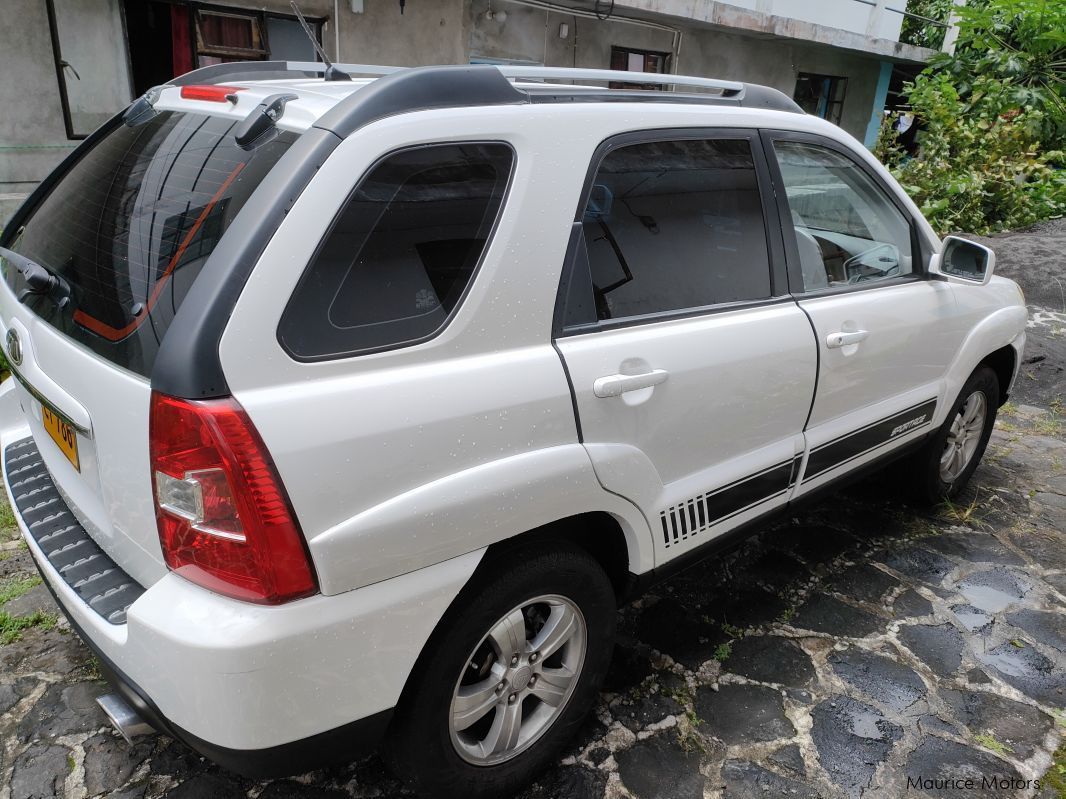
point(862, 648)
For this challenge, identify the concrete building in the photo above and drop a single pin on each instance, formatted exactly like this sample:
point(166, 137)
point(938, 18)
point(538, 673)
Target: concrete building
point(69, 64)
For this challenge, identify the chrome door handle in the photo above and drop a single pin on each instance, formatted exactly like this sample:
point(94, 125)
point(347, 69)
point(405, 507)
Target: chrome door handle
point(616, 385)
point(835, 340)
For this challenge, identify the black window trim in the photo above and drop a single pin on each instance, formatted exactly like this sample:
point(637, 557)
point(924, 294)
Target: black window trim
point(779, 291)
point(489, 239)
point(921, 252)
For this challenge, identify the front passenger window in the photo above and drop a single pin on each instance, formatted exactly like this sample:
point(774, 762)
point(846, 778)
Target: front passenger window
point(847, 231)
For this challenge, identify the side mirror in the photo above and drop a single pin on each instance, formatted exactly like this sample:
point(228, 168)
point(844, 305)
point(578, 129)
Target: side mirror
point(963, 261)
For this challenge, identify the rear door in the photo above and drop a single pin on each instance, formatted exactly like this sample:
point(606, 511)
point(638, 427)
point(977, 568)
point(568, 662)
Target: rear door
point(125, 231)
point(886, 334)
point(692, 370)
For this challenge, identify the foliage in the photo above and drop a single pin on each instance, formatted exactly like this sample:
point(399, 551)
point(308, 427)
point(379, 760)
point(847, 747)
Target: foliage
point(1021, 43)
point(981, 166)
point(993, 117)
point(919, 32)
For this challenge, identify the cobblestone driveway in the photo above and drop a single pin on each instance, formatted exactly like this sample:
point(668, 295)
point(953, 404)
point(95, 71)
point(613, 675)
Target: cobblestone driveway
point(862, 647)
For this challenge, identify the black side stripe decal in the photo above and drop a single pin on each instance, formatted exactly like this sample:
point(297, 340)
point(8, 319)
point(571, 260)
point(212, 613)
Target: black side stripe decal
point(694, 516)
point(855, 444)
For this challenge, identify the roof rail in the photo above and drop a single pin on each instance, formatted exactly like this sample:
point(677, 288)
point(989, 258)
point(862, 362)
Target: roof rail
point(278, 70)
point(728, 88)
point(451, 86)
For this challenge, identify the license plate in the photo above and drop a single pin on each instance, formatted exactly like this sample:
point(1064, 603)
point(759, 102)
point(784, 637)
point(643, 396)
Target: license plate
point(63, 434)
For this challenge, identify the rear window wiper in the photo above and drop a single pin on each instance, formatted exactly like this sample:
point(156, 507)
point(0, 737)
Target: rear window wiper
point(39, 280)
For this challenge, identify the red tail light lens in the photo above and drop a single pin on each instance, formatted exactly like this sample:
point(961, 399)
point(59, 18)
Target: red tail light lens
point(224, 519)
point(212, 94)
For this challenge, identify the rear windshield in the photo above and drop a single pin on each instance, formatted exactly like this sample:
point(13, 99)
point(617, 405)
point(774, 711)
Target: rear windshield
point(131, 224)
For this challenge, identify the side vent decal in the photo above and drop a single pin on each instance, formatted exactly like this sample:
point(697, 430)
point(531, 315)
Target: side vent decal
point(694, 516)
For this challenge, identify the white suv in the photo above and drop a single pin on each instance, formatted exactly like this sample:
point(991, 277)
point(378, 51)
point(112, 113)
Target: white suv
point(351, 409)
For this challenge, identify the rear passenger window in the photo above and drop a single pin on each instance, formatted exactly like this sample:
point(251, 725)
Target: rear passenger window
point(402, 252)
point(671, 225)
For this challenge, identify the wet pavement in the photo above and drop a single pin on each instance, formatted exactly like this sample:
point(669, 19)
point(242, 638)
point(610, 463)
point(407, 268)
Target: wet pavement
point(865, 648)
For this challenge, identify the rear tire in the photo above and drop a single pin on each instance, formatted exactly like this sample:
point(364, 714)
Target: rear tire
point(479, 719)
point(945, 464)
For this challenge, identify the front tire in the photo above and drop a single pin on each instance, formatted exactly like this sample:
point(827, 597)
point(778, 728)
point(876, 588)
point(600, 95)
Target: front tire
point(945, 464)
point(509, 676)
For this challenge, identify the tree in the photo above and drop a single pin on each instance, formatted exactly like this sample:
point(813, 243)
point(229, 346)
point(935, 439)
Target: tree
point(994, 118)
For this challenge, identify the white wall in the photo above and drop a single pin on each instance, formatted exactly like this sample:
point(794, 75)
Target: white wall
point(848, 15)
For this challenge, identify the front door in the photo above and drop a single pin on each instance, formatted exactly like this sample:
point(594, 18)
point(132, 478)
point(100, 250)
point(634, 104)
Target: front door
point(886, 334)
point(692, 369)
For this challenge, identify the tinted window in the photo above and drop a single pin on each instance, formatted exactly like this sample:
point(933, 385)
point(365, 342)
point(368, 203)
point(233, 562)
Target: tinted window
point(402, 252)
point(847, 230)
point(131, 224)
point(674, 225)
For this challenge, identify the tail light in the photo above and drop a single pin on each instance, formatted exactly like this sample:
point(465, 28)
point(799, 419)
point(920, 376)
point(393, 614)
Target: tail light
point(224, 520)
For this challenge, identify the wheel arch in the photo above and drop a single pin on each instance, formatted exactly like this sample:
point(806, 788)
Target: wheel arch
point(1004, 362)
point(598, 533)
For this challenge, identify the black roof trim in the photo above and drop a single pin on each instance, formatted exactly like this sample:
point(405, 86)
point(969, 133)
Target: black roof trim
point(754, 97)
point(421, 89)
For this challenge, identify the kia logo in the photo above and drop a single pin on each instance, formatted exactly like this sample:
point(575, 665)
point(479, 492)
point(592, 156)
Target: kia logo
point(14, 347)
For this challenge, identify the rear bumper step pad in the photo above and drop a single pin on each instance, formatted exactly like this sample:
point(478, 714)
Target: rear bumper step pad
point(86, 568)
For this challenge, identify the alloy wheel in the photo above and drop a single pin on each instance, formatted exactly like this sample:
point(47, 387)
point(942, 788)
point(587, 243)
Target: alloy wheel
point(517, 680)
point(964, 437)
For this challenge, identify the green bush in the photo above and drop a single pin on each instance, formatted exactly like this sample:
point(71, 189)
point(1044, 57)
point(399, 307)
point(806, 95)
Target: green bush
point(981, 165)
point(993, 118)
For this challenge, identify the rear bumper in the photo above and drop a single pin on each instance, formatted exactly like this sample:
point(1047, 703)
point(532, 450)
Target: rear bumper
point(259, 689)
point(333, 746)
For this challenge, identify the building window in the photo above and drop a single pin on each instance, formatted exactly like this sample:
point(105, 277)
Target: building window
point(228, 36)
point(821, 95)
point(625, 59)
point(94, 80)
point(172, 37)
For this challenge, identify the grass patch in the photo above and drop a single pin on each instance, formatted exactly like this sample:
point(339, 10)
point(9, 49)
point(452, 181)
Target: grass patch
point(722, 653)
point(687, 736)
point(7, 516)
point(988, 742)
point(1008, 408)
point(1048, 426)
point(1055, 777)
point(14, 588)
point(960, 514)
point(732, 631)
point(12, 627)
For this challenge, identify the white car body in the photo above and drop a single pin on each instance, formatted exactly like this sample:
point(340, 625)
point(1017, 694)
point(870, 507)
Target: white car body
point(404, 465)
